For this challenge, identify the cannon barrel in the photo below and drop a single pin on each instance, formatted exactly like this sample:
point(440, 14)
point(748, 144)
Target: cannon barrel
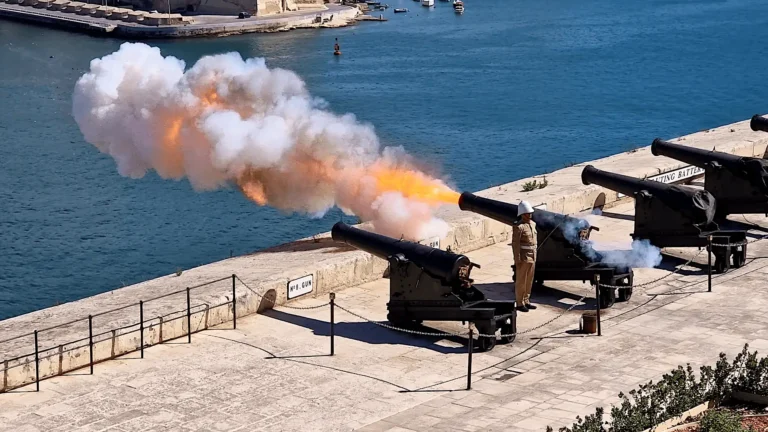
point(618, 182)
point(699, 205)
point(693, 156)
point(759, 123)
point(438, 263)
point(507, 213)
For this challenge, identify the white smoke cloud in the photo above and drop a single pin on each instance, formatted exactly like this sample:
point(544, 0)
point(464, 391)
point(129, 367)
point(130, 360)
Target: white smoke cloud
point(229, 121)
point(640, 254)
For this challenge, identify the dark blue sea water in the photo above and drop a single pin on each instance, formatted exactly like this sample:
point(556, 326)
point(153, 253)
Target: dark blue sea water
point(510, 89)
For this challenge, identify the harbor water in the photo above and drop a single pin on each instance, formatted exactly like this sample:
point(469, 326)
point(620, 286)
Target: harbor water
point(507, 90)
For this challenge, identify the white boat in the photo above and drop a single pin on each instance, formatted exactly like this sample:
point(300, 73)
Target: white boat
point(458, 6)
point(428, 3)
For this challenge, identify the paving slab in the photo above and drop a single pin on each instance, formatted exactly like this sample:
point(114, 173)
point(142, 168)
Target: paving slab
point(274, 372)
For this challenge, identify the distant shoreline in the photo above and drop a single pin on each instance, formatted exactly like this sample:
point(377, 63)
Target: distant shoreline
point(201, 26)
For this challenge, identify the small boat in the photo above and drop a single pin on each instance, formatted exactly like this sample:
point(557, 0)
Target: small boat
point(401, 10)
point(428, 3)
point(458, 6)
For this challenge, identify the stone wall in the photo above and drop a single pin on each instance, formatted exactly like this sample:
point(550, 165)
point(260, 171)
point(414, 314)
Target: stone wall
point(333, 266)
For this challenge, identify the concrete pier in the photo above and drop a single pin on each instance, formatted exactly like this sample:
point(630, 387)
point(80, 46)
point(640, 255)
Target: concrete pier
point(276, 363)
point(142, 25)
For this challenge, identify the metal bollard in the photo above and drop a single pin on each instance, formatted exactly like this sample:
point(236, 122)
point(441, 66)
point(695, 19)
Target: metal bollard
point(469, 360)
point(709, 265)
point(37, 364)
point(189, 319)
point(597, 288)
point(90, 339)
point(141, 327)
point(332, 296)
point(234, 304)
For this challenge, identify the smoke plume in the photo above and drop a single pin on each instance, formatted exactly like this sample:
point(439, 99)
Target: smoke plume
point(229, 121)
point(641, 253)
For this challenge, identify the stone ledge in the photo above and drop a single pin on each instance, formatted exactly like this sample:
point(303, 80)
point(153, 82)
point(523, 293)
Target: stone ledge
point(335, 267)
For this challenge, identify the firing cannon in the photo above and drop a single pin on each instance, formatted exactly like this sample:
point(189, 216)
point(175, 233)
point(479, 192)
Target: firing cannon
point(565, 252)
point(759, 123)
point(739, 184)
point(428, 284)
point(674, 216)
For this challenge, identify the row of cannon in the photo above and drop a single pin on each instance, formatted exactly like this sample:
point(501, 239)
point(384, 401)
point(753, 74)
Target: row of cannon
point(430, 284)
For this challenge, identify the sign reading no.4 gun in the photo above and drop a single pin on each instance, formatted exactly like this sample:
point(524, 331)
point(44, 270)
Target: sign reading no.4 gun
point(300, 286)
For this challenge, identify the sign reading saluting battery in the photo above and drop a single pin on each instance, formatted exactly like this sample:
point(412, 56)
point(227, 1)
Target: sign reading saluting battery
point(300, 286)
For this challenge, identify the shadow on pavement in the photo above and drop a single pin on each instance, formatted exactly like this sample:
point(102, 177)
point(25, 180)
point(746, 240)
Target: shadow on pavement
point(371, 333)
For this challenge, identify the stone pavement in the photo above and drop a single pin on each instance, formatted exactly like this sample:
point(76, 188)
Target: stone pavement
point(274, 373)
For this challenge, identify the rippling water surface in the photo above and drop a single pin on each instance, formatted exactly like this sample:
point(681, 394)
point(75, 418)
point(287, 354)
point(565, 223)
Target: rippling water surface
point(510, 89)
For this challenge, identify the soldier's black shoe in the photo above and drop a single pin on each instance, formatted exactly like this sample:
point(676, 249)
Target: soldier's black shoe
point(531, 306)
point(522, 309)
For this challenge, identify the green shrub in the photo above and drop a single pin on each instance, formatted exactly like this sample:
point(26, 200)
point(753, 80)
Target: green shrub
point(679, 391)
point(721, 421)
point(535, 184)
point(530, 186)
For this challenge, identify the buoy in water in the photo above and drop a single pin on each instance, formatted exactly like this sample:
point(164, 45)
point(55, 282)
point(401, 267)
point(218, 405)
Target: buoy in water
point(336, 48)
point(337, 53)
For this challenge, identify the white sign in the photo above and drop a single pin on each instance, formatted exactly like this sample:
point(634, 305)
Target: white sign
point(433, 242)
point(676, 175)
point(300, 286)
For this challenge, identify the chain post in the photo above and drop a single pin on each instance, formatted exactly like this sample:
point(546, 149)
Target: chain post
point(469, 359)
point(90, 339)
point(709, 265)
point(189, 318)
point(332, 297)
point(37, 364)
point(597, 289)
point(141, 326)
point(234, 304)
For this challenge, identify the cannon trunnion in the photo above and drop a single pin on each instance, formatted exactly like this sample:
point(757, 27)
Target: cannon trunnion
point(564, 249)
point(739, 184)
point(674, 216)
point(428, 284)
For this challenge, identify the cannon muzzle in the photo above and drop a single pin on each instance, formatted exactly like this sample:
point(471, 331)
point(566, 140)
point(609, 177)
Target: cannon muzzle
point(759, 123)
point(698, 205)
point(693, 156)
point(497, 210)
point(451, 268)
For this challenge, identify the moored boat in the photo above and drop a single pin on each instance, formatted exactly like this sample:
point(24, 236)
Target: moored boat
point(428, 3)
point(458, 6)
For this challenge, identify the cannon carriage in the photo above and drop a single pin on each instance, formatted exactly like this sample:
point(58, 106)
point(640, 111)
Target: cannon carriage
point(674, 216)
point(429, 284)
point(565, 252)
point(739, 184)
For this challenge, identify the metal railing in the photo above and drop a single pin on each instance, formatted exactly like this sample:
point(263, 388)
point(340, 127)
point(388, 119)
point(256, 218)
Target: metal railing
point(164, 327)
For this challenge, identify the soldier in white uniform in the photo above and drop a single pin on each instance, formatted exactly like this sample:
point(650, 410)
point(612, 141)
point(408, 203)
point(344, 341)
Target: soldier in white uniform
point(524, 243)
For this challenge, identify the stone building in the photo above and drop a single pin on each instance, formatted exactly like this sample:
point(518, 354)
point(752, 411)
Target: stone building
point(229, 7)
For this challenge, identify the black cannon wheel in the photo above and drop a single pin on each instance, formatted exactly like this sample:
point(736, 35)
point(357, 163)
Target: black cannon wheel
point(486, 343)
point(507, 329)
point(739, 256)
point(719, 265)
point(624, 293)
point(607, 297)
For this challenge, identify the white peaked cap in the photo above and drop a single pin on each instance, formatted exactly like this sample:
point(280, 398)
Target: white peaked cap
point(524, 207)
